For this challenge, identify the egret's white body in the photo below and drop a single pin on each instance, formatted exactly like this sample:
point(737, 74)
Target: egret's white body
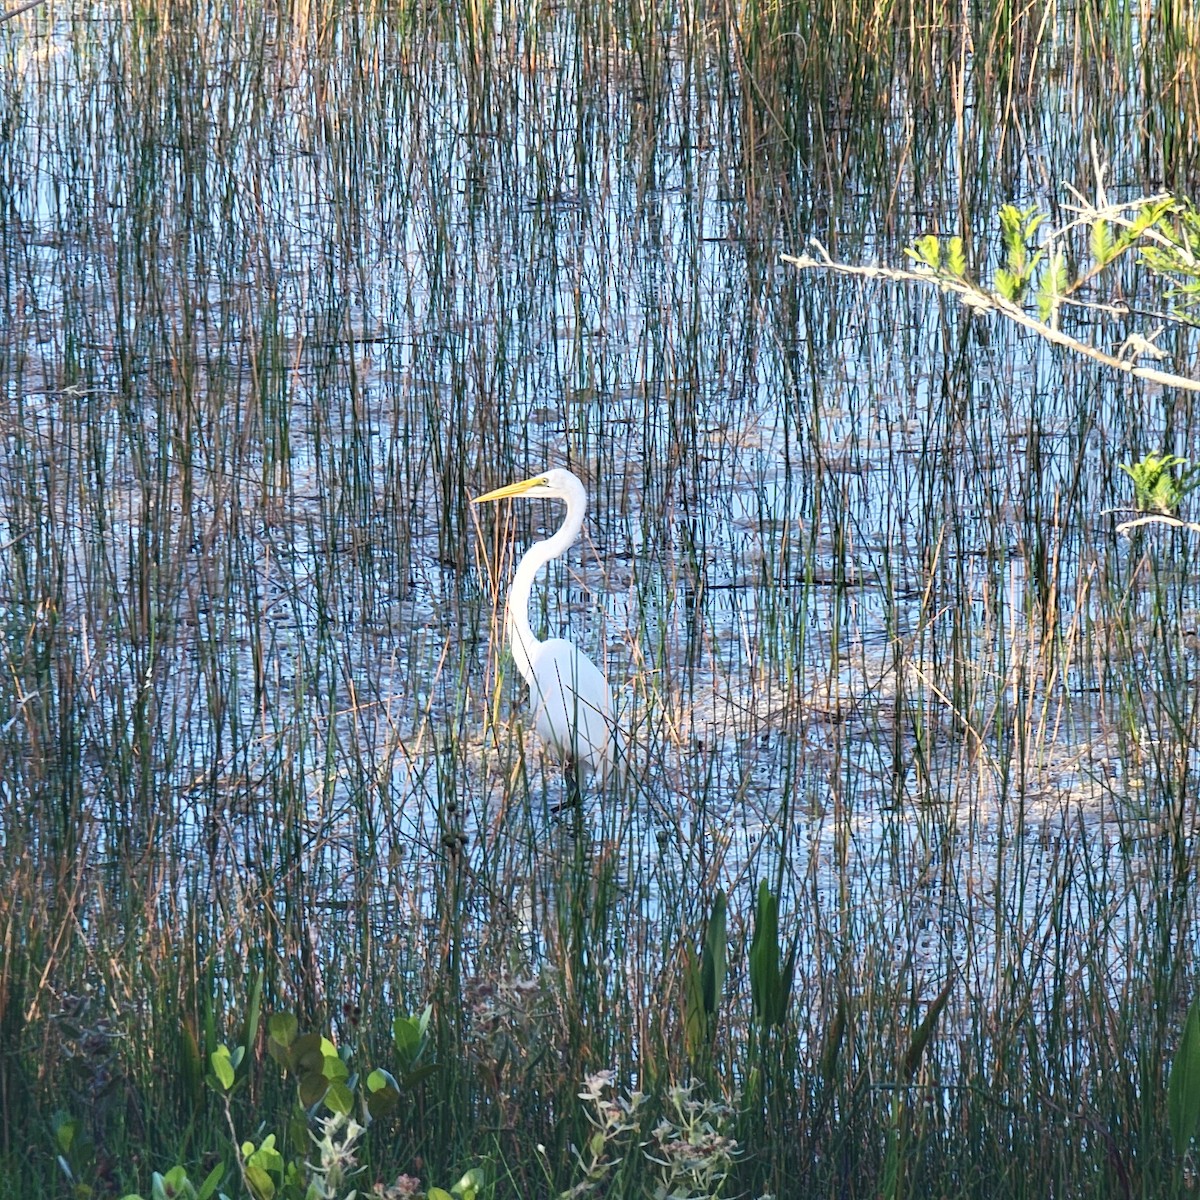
point(572, 703)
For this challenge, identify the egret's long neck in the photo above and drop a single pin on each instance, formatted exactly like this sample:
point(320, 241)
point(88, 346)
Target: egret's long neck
point(520, 633)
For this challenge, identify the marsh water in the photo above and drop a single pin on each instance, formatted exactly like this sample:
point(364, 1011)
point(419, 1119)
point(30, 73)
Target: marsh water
point(283, 289)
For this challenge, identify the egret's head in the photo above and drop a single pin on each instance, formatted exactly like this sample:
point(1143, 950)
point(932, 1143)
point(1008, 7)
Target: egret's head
point(555, 483)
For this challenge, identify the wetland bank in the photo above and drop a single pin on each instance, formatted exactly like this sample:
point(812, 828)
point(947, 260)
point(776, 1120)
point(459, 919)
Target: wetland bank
point(283, 288)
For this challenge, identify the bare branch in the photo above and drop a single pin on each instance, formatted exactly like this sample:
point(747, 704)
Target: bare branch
point(1158, 519)
point(16, 12)
point(977, 298)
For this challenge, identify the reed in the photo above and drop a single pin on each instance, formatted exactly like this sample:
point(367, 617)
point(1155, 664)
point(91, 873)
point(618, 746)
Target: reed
point(284, 287)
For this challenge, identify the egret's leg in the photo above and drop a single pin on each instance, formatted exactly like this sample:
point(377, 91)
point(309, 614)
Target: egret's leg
point(573, 797)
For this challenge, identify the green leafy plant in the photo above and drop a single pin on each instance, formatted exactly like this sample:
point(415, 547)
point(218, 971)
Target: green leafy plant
point(1183, 1084)
point(613, 1118)
point(770, 987)
point(704, 982)
point(175, 1185)
point(1017, 229)
point(1161, 482)
point(74, 1152)
point(690, 1146)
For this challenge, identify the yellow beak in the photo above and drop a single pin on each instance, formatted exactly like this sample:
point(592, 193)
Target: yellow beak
point(512, 489)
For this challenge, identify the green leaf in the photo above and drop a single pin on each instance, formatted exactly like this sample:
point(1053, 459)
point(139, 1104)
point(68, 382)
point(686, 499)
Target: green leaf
point(253, 1013)
point(213, 1180)
point(833, 1043)
point(408, 1036)
point(1053, 285)
point(308, 1053)
point(1183, 1085)
point(783, 989)
point(266, 1157)
point(282, 1028)
point(423, 1023)
point(312, 1088)
point(383, 1093)
point(764, 957)
point(925, 250)
point(261, 1184)
point(470, 1185)
point(339, 1099)
point(174, 1185)
point(695, 1022)
point(379, 1079)
point(1006, 284)
point(920, 1039)
point(436, 1193)
point(222, 1067)
point(65, 1130)
point(956, 259)
point(334, 1068)
point(1101, 243)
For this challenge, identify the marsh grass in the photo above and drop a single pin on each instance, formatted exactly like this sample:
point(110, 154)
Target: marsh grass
point(284, 287)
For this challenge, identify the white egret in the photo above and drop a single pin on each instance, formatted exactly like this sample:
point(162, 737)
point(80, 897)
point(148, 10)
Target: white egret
point(571, 699)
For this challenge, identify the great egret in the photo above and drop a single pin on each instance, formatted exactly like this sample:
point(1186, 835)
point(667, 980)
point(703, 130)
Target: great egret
point(571, 699)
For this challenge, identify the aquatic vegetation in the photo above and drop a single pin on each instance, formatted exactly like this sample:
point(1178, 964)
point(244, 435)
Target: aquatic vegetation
point(285, 286)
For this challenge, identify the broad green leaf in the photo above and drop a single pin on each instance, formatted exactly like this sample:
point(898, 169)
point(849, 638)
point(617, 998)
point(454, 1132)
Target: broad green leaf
point(266, 1157)
point(764, 956)
point(283, 1027)
point(312, 1087)
point(339, 1099)
point(209, 1187)
point(383, 1099)
point(66, 1129)
point(695, 1021)
point(1183, 1085)
point(334, 1069)
point(174, 1185)
point(379, 1079)
point(261, 1184)
point(470, 1185)
point(222, 1067)
point(308, 1053)
point(436, 1193)
point(408, 1034)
